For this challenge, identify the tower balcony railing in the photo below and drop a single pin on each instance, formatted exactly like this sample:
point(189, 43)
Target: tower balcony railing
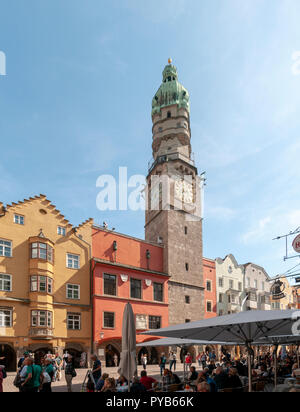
point(170, 157)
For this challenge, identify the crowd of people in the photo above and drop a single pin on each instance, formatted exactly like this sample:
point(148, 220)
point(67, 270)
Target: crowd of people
point(37, 375)
point(212, 374)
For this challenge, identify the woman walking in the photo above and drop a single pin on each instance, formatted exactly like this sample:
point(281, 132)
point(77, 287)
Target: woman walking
point(70, 372)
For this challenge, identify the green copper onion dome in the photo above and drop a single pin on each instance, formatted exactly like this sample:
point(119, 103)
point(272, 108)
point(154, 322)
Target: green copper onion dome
point(170, 92)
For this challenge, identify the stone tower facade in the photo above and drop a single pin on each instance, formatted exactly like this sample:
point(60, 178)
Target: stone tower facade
point(173, 198)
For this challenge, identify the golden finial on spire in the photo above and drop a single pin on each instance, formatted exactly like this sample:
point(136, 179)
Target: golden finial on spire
point(170, 60)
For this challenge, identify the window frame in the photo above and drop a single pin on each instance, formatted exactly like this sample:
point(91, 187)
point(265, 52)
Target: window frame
point(3, 317)
point(48, 319)
point(114, 320)
point(153, 319)
point(70, 256)
point(161, 285)
point(61, 229)
point(116, 284)
point(71, 314)
point(72, 290)
point(19, 219)
point(211, 306)
point(3, 247)
point(5, 280)
point(49, 282)
point(208, 282)
point(47, 251)
point(141, 290)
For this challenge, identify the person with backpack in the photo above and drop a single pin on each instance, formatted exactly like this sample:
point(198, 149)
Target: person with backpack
point(70, 372)
point(48, 374)
point(27, 384)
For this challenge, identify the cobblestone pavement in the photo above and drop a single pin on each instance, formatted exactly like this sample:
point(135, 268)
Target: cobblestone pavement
point(77, 382)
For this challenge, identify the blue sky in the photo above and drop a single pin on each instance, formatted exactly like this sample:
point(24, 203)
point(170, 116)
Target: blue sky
point(76, 104)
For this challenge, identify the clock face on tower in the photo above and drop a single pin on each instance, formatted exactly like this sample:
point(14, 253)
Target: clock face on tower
point(188, 195)
point(184, 191)
point(154, 197)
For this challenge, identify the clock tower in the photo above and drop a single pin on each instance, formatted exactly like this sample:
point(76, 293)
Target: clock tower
point(173, 214)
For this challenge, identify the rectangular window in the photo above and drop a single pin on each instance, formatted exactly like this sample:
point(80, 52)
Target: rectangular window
point(220, 297)
point(109, 320)
point(187, 300)
point(42, 251)
point(73, 291)
point(221, 313)
point(5, 248)
point(240, 286)
point(248, 283)
point(231, 284)
point(73, 321)
point(136, 289)
point(158, 290)
point(187, 267)
point(5, 283)
point(208, 306)
point(208, 285)
point(154, 322)
point(221, 282)
point(187, 320)
point(19, 220)
point(110, 284)
point(5, 317)
point(255, 283)
point(263, 286)
point(72, 261)
point(185, 230)
point(41, 318)
point(41, 284)
point(61, 231)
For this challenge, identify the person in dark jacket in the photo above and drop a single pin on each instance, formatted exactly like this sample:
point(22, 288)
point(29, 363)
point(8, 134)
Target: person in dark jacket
point(137, 387)
point(234, 380)
point(221, 378)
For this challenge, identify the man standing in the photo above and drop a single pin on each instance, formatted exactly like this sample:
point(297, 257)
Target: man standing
point(173, 360)
point(97, 368)
point(162, 363)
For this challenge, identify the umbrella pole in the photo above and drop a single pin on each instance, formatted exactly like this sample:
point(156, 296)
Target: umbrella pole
point(275, 367)
point(249, 349)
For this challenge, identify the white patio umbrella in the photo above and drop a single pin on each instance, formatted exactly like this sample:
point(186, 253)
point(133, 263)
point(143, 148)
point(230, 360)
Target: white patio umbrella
point(180, 342)
point(128, 364)
point(244, 328)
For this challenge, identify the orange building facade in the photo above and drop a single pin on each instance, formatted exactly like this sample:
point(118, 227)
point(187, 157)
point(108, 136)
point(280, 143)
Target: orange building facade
point(210, 294)
point(126, 269)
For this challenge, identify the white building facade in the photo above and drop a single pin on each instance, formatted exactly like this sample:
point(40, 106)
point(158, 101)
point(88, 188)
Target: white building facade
point(257, 287)
point(230, 285)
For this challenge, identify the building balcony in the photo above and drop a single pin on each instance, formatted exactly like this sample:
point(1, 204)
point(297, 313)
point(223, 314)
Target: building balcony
point(170, 157)
point(41, 333)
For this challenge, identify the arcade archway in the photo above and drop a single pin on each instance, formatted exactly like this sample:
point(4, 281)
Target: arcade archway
point(142, 352)
point(112, 356)
point(9, 356)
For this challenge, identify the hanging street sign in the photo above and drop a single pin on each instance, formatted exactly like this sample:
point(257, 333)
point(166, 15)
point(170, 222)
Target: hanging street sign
point(296, 244)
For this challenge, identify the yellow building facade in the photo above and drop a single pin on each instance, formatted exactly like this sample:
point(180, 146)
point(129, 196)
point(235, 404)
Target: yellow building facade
point(45, 277)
